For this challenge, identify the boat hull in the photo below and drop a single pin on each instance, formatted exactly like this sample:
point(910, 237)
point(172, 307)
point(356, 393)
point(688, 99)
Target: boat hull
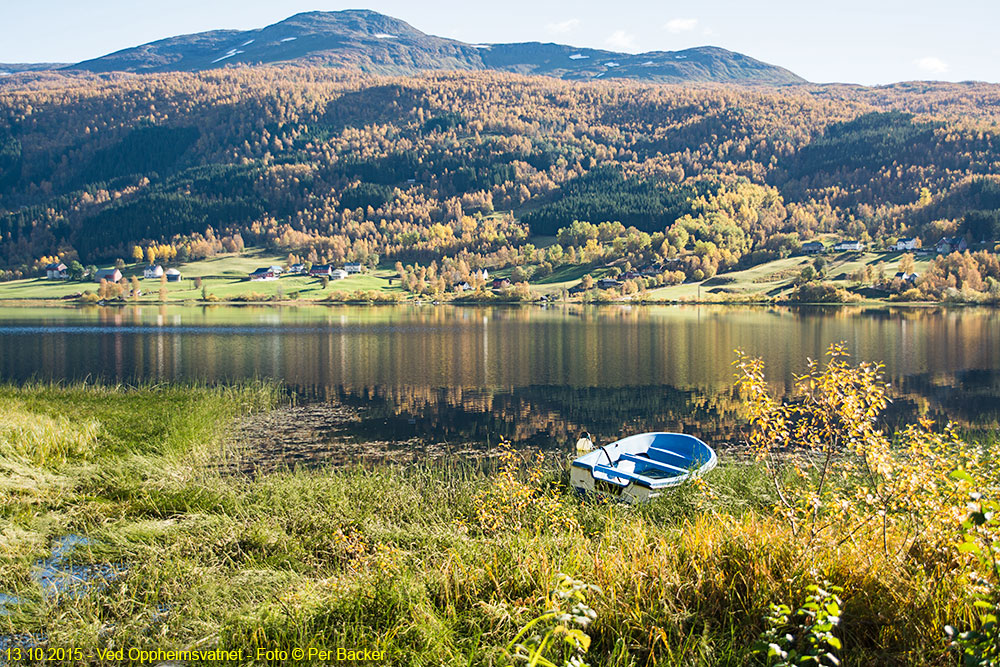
point(640, 467)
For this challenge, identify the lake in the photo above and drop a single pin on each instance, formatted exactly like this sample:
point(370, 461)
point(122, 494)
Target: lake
point(537, 375)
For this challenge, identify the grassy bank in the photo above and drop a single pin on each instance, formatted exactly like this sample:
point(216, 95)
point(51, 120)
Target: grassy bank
point(223, 279)
point(437, 564)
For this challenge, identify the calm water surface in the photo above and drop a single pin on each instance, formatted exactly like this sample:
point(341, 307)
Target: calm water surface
point(538, 375)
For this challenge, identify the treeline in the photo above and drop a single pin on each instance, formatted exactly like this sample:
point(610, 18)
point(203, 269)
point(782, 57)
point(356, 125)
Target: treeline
point(340, 166)
point(963, 277)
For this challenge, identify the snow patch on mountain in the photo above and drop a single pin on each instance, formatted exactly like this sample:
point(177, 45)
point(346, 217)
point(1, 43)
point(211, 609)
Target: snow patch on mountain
point(229, 54)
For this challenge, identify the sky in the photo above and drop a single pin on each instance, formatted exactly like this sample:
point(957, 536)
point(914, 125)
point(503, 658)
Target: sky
point(869, 42)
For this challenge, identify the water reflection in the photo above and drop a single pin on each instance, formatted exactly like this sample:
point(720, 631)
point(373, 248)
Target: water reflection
point(538, 375)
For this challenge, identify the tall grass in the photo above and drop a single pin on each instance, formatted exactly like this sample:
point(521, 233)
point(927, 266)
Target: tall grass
point(401, 559)
point(42, 440)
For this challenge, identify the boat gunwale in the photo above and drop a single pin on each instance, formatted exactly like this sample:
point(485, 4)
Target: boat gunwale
point(642, 480)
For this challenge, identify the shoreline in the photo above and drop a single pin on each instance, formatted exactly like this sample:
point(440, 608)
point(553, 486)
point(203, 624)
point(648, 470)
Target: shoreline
point(75, 304)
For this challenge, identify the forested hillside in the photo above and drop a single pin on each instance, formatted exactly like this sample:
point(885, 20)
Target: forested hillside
point(475, 166)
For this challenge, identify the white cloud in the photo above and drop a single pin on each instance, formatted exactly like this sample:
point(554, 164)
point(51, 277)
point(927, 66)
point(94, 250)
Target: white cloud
point(681, 25)
point(932, 65)
point(563, 27)
point(621, 40)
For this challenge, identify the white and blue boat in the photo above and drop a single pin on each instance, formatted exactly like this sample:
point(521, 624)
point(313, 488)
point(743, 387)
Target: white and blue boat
point(640, 467)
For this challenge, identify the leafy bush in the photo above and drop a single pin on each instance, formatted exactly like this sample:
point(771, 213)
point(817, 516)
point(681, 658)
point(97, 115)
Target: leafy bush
point(364, 296)
point(980, 538)
point(252, 297)
point(835, 470)
point(814, 292)
point(804, 637)
point(561, 631)
point(518, 497)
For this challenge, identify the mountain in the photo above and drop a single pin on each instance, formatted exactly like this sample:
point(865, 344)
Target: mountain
point(377, 43)
point(7, 69)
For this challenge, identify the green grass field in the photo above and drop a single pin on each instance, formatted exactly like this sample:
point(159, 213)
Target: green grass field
point(774, 279)
point(225, 278)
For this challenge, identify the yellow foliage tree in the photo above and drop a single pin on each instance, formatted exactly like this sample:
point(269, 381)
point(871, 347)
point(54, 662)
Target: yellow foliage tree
point(837, 474)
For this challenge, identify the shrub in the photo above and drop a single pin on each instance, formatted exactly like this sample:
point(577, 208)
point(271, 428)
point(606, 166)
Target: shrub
point(517, 498)
point(250, 297)
point(912, 294)
point(560, 632)
point(980, 538)
point(813, 292)
point(806, 636)
point(835, 470)
point(364, 296)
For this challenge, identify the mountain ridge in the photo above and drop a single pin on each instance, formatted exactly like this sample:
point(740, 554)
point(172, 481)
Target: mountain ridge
point(376, 43)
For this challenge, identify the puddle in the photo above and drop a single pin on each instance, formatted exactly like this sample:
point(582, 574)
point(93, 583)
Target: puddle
point(8, 601)
point(57, 577)
point(22, 641)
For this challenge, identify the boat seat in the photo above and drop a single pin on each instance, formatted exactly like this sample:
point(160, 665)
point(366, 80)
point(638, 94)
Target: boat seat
point(614, 472)
point(652, 463)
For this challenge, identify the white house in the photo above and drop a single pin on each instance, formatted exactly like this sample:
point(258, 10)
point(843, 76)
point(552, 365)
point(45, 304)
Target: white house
point(110, 275)
point(338, 274)
point(354, 267)
point(950, 244)
point(907, 244)
point(275, 269)
point(173, 276)
point(56, 271)
point(263, 274)
point(849, 246)
point(297, 268)
point(152, 271)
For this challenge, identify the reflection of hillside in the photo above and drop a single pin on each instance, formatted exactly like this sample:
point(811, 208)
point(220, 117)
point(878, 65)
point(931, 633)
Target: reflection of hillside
point(551, 417)
point(539, 375)
point(545, 416)
point(969, 397)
